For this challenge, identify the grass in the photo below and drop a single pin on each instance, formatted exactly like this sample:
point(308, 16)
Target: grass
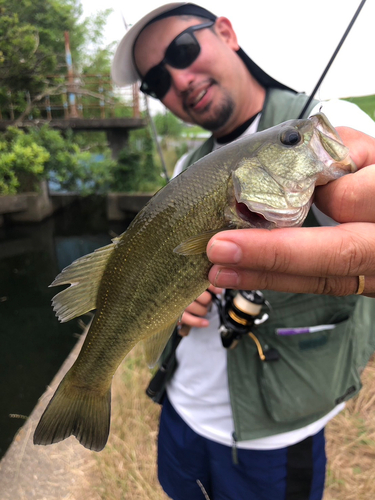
point(126, 468)
point(351, 446)
point(366, 103)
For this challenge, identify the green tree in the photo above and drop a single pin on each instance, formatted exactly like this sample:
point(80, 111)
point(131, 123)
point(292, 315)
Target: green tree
point(136, 169)
point(22, 162)
point(74, 168)
point(167, 124)
point(27, 158)
point(32, 40)
point(32, 46)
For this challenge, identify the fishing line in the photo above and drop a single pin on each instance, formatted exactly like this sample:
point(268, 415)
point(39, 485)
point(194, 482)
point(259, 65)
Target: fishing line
point(332, 58)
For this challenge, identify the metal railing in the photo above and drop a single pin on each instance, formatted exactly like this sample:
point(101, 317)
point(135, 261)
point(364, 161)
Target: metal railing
point(81, 96)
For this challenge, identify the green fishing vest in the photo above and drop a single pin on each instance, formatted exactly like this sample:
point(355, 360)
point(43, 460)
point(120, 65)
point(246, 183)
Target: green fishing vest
point(315, 371)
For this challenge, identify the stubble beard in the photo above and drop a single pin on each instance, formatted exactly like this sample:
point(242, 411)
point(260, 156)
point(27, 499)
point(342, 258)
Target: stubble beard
point(218, 116)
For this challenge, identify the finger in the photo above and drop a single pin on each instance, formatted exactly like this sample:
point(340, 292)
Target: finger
point(204, 299)
point(253, 280)
point(350, 198)
point(197, 309)
point(345, 250)
point(215, 290)
point(194, 321)
point(361, 146)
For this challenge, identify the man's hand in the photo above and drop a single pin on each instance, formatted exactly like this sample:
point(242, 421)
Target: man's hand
point(323, 260)
point(195, 312)
point(351, 198)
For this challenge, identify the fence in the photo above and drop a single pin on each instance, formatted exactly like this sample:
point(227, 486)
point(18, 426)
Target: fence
point(77, 96)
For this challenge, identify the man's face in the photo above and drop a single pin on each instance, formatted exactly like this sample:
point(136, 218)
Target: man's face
point(206, 92)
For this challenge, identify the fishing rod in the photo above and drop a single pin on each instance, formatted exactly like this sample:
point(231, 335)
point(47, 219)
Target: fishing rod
point(332, 58)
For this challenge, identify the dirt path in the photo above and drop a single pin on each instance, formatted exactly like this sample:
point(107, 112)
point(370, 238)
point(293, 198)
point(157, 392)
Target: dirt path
point(45, 472)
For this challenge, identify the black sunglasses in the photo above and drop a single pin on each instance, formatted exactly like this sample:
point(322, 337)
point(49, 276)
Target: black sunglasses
point(180, 54)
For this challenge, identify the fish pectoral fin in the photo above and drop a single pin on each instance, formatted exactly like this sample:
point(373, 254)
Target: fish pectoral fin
point(154, 345)
point(196, 244)
point(84, 276)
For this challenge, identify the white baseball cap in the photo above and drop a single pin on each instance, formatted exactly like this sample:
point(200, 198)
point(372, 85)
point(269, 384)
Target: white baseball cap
point(124, 71)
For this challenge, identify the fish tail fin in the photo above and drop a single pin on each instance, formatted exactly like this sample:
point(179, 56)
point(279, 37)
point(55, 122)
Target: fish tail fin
point(76, 411)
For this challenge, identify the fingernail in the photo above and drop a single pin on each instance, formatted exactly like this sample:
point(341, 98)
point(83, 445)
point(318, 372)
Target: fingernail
point(226, 278)
point(224, 252)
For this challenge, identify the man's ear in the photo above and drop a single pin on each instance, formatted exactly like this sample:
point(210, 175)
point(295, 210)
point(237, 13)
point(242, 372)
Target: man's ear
point(224, 29)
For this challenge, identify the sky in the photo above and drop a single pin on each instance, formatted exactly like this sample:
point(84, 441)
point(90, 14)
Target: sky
point(292, 40)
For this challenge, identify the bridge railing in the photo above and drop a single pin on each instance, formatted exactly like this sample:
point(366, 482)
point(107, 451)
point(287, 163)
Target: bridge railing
point(78, 96)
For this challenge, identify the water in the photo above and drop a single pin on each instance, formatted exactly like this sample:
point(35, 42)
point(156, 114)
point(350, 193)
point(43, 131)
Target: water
point(33, 344)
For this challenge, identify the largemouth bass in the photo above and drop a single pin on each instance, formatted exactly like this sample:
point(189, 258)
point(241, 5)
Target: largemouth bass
point(142, 282)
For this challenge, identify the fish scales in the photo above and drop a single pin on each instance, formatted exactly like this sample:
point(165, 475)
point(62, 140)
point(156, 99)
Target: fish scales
point(148, 245)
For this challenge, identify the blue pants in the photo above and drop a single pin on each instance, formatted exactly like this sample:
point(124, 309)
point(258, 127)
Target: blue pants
point(293, 473)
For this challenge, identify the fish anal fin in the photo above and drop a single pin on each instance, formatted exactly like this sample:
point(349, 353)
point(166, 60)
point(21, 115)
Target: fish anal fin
point(196, 244)
point(76, 411)
point(154, 345)
point(84, 275)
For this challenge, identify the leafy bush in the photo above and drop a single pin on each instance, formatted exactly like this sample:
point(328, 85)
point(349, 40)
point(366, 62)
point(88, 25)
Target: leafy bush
point(136, 170)
point(22, 162)
point(27, 158)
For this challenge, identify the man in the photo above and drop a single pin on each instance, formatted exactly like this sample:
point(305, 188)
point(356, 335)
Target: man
point(233, 426)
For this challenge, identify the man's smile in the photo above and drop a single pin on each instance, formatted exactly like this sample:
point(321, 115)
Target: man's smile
point(195, 99)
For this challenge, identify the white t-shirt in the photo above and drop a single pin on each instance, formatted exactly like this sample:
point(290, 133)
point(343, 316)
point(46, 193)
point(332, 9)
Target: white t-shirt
point(199, 388)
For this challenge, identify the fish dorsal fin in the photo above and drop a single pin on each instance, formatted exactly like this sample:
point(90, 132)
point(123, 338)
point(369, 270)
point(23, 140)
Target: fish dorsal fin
point(84, 276)
point(196, 244)
point(154, 345)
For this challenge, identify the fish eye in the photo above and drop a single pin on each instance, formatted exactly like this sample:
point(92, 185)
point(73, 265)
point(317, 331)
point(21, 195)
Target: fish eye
point(290, 137)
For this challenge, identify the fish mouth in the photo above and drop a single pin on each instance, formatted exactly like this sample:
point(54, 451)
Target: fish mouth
point(253, 218)
point(330, 149)
point(322, 124)
point(264, 217)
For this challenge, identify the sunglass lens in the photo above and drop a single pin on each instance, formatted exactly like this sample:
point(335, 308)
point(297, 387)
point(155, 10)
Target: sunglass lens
point(156, 82)
point(182, 51)
point(180, 54)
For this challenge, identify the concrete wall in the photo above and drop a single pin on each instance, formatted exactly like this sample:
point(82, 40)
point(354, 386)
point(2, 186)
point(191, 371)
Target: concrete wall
point(13, 204)
point(121, 206)
point(35, 207)
point(27, 207)
point(118, 140)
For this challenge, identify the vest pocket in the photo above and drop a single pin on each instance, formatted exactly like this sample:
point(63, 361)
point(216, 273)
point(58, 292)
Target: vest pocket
point(314, 372)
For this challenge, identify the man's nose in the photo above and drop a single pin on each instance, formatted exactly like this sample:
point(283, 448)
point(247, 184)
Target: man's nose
point(181, 78)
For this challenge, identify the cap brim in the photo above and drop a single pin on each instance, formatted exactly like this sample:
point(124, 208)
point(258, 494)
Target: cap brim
point(123, 69)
